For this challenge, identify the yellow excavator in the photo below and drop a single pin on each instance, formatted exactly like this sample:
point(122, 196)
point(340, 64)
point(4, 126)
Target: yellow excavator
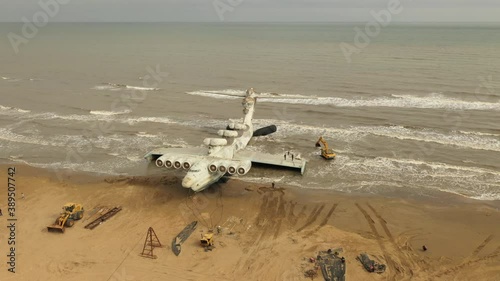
point(71, 212)
point(326, 152)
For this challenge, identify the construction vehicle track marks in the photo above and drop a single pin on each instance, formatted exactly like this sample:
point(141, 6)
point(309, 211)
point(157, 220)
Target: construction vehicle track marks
point(312, 217)
point(482, 245)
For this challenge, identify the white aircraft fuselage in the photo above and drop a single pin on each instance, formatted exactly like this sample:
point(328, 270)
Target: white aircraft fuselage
point(206, 165)
point(199, 177)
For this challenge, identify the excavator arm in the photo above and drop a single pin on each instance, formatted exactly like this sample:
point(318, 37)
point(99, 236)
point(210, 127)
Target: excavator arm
point(320, 142)
point(325, 151)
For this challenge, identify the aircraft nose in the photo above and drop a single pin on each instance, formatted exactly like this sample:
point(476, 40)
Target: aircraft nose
point(187, 182)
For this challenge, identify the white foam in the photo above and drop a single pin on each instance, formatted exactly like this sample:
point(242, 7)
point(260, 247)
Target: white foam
point(479, 133)
point(116, 87)
point(145, 135)
point(105, 87)
point(221, 94)
point(108, 113)
point(432, 101)
point(142, 88)
point(353, 133)
point(8, 135)
point(472, 182)
point(163, 120)
point(8, 108)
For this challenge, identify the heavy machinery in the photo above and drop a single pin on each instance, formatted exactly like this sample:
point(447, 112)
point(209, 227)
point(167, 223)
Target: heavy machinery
point(207, 239)
point(326, 152)
point(70, 213)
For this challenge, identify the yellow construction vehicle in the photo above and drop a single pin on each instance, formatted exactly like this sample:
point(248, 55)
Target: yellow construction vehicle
point(71, 212)
point(207, 239)
point(326, 152)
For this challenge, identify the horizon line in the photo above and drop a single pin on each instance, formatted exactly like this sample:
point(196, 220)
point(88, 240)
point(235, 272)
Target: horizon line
point(229, 22)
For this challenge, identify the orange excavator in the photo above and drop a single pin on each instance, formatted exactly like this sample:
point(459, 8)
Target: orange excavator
point(326, 152)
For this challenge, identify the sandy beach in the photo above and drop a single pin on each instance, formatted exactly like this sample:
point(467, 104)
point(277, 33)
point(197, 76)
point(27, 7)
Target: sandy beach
point(266, 234)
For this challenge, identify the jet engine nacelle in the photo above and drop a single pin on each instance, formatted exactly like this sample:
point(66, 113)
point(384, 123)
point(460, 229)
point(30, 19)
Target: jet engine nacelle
point(169, 163)
point(232, 168)
point(222, 167)
point(178, 163)
point(227, 133)
point(186, 165)
point(218, 166)
point(236, 126)
point(212, 168)
point(244, 167)
point(214, 142)
point(160, 162)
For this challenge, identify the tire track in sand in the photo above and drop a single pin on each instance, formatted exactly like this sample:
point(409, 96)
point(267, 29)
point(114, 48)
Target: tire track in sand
point(325, 220)
point(312, 217)
point(390, 263)
point(405, 260)
point(455, 269)
point(482, 245)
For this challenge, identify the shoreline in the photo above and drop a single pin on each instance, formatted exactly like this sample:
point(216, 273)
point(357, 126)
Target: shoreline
point(429, 195)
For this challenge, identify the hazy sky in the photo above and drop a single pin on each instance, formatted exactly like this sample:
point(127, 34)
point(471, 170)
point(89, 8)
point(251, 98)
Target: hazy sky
point(254, 10)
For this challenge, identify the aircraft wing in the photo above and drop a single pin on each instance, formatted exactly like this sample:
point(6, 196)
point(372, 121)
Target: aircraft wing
point(271, 159)
point(191, 152)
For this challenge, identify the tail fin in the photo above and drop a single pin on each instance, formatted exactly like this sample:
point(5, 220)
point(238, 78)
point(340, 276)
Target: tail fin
point(248, 107)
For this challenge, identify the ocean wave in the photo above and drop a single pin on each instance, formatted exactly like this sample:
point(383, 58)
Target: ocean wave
point(103, 112)
point(479, 134)
point(116, 87)
point(13, 109)
point(472, 182)
point(354, 133)
point(103, 168)
point(222, 94)
point(145, 135)
point(432, 101)
point(8, 135)
point(461, 139)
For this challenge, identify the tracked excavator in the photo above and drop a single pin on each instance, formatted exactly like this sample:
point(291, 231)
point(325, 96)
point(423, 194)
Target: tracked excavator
point(326, 152)
point(70, 213)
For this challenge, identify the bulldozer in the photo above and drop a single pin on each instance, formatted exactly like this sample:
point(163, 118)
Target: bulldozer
point(326, 152)
point(70, 213)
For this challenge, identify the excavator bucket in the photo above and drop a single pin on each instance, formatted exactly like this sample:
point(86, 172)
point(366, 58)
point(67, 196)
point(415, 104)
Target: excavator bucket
point(55, 228)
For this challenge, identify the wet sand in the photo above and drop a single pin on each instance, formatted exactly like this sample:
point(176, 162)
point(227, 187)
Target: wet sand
point(266, 234)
